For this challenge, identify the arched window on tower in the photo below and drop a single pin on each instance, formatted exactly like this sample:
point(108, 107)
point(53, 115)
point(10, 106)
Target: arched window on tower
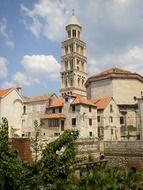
point(66, 49)
point(73, 33)
point(66, 82)
point(71, 82)
point(71, 47)
point(82, 82)
point(69, 34)
point(78, 68)
point(71, 64)
point(78, 81)
point(66, 65)
point(82, 65)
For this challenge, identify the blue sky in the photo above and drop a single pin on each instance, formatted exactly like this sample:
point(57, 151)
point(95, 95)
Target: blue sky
point(31, 33)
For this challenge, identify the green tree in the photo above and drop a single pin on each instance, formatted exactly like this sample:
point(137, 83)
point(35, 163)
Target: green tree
point(36, 148)
point(10, 167)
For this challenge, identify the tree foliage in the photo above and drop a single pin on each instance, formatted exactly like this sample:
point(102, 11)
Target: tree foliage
point(52, 170)
point(10, 167)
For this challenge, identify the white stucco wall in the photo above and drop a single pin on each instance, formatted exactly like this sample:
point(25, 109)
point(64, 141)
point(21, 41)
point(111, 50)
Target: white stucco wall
point(124, 90)
point(100, 89)
point(12, 109)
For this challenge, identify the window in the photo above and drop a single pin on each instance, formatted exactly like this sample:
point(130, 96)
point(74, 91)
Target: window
point(90, 121)
point(66, 49)
point(78, 81)
point(111, 119)
point(98, 118)
point(24, 109)
point(71, 82)
point(73, 108)
point(53, 111)
point(60, 110)
point(73, 121)
point(111, 108)
point(71, 48)
point(71, 64)
point(53, 123)
point(121, 120)
point(112, 131)
point(90, 134)
point(66, 99)
point(66, 83)
point(74, 33)
point(69, 34)
point(89, 108)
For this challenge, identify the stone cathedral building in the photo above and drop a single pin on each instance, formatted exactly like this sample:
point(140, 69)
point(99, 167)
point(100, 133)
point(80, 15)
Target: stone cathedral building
point(73, 61)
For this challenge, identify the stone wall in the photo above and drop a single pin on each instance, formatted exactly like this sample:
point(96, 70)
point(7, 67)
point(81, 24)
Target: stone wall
point(22, 146)
point(90, 148)
point(124, 154)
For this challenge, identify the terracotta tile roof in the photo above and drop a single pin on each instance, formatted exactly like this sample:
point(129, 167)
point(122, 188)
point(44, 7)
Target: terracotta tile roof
point(42, 97)
point(82, 100)
point(53, 116)
point(55, 103)
point(101, 103)
point(114, 73)
point(5, 92)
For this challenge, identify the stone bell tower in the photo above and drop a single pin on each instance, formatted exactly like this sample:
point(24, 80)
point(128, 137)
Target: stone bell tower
point(73, 61)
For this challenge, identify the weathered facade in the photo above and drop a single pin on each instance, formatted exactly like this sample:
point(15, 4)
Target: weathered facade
point(108, 118)
point(33, 109)
point(72, 112)
point(123, 86)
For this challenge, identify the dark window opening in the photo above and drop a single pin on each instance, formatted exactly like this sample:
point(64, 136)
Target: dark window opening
point(90, 122)
point(90, 134)
point(98, 118)
point(60, 110)
point(89, 108)
point(73, 121)
point(121, 120)
point(53, 111)
point(74, 33)
point(73, 108)
point(24, 109)
point(111, 108)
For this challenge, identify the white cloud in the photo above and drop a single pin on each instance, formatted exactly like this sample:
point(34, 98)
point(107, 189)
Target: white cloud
point(22, 79)
point(3, 32)
point(131, 59)
point(47, 18)
point(3, 67)
point(41, 66)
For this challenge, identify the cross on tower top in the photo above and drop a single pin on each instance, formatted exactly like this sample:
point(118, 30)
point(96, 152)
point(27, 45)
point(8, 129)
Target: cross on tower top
point(73, 12)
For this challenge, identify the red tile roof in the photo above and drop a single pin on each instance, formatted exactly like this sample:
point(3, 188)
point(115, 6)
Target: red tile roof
point(101, 103)
point(55, 103)
point(82, 100)
point(42, 97)
point(114, 73)
point(53, 116)
point(5, 92)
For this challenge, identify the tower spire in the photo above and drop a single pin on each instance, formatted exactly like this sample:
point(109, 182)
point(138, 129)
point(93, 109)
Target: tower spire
point(73, 60)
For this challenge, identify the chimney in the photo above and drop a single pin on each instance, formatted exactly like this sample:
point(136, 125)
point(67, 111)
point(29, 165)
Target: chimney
point(19, 88)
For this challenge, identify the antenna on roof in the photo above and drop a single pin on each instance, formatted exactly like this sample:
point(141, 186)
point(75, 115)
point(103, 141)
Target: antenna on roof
point(73, 12)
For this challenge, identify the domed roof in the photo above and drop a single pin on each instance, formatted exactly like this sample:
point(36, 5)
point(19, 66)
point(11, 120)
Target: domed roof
point(114, 73)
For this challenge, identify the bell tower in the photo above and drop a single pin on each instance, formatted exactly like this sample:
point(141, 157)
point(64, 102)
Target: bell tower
point(73, 60)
